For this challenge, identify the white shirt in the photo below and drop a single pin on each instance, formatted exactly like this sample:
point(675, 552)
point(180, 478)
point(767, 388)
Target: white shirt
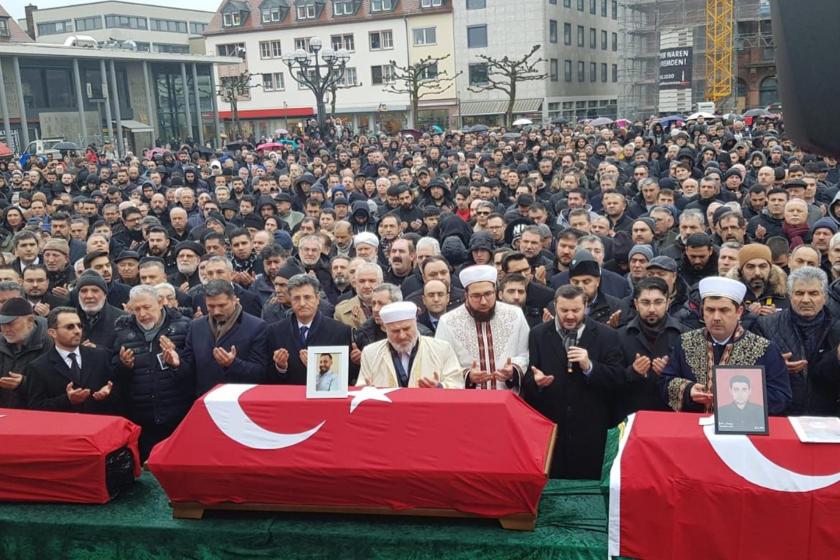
point(65, 355)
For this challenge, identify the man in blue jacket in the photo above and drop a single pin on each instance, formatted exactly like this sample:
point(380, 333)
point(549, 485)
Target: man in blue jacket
point(225, 346)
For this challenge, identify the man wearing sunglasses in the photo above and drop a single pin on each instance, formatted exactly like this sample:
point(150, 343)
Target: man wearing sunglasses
point(70, 377)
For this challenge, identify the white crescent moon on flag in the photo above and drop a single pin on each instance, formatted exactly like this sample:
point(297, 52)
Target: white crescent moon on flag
point(223, 406)
point(745, 460)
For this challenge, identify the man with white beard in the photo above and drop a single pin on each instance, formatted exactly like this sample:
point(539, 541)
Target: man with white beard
point(148, 340)
point(407, 359)
point(187, 256)
point(98, 317)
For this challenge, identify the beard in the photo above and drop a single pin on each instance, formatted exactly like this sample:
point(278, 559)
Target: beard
point(92, 308)
point(157, 251)
point(757, 284)
point(407, 347)
point(341, 282)
point(187, 269)
point(481, 316)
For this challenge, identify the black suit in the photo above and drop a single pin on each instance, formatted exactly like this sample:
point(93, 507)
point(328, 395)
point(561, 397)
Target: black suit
point(249, 301)
point(47, 378)
point(286, 334)
point(582, 406)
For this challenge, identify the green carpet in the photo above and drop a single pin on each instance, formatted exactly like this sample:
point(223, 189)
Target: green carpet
point(139, 525)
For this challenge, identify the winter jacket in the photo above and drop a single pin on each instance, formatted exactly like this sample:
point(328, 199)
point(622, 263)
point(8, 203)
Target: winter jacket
point(153, 394)
point(10, 360)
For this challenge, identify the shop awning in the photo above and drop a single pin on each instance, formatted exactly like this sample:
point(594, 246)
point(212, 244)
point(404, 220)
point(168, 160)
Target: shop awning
point(136, 126)
point(475, 108)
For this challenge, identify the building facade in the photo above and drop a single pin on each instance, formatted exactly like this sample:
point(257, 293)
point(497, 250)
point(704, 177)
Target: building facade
point(578, 41)
point(379, 36)
point(152, 28)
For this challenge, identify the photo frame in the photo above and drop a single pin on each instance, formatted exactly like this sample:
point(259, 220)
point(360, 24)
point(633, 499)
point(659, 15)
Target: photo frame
point(327, 372)
point(740, 396)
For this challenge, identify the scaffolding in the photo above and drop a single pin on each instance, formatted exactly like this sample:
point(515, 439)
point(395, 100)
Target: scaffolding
point(644, 21)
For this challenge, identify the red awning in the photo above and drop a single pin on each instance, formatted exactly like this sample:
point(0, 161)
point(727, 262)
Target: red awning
point(270, 113)
point(5, 151)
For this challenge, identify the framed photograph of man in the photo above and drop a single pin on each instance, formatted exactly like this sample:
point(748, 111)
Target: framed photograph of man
point(740, 395)
point(327, 372)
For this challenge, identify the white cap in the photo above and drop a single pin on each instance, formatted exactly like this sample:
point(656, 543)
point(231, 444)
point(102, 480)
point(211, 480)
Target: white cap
point(398, 311)
point(718, 286)
point(367, 238)
point(478, 273)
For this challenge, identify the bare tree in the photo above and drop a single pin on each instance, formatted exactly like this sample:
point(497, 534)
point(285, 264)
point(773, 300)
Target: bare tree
point(505, 73)
point(231, 90)
point(333, 89)
point(419, 80)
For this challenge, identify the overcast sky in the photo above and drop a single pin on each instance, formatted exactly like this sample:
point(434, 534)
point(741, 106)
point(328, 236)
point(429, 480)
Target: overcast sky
point(15, 7)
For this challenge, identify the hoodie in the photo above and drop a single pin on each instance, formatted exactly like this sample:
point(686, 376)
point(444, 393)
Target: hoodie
point(361, 208)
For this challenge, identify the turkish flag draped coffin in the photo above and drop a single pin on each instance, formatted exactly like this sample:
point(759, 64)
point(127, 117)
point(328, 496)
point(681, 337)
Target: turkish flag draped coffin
point(478, 452)
point(61, 457)
point(677, 490)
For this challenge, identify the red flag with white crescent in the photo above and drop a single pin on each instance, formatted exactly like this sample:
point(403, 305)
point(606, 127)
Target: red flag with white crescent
point(677, 490)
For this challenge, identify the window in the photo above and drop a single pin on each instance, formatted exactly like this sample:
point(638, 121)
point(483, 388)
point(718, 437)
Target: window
point(424, 35)
point(383, 74)
point(170, 48)
point(167, 25)
point(381, 40)
point(129, 22)
point(344, 41)
point(604, 8)
point(593, 38)
point(478, 74)
point(302, 43)
point(476, 36)
point(476, 4)
point(552, 2)
point(88, 23)
point(603, 40)
point(428, 72)
point(593, 7)
point(581, 37)
point(273, 14)
point(197, 28)
point(4, 27)
point(381, 5)
point(143, 46)
point(54, 27)
point(344, 7)
point(231, 49)
point(270, 49)
point(615, 42)
point(554, 69)
point(567, 70)
point(552, 30)
point(567, 3)
point(614, 9)
point(604, 72)
point(273, 82)
point(229, 19)
point(306, 11)
point(581, 73)
point(593, 72)
point(431, 3)
point(580, 5)
point(614, 73)
point(567, 34)
point(348, 78)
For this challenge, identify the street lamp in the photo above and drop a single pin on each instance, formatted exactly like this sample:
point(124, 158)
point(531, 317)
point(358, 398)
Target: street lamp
point(317, 70)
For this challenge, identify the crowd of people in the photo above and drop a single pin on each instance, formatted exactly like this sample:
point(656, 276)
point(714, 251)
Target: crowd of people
point(595, 271)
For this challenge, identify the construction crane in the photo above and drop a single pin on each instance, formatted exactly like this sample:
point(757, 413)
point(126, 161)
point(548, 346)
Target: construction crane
point(720, 23)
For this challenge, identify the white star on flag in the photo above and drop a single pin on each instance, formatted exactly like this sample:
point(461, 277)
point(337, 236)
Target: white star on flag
point(369, 393)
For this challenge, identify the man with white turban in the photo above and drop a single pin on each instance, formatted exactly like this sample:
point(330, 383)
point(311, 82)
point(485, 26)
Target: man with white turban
point(686, 382)
point(490, 338)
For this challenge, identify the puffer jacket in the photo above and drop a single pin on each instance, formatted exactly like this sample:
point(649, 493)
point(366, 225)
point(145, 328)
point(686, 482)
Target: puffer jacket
point(153, 395)
point(816, 389)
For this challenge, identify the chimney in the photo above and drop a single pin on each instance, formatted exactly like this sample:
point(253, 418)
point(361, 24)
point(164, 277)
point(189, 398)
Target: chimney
point(29, 9)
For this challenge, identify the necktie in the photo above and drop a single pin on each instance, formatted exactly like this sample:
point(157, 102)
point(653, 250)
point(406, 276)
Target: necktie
point(75, 370)
point(303, 332)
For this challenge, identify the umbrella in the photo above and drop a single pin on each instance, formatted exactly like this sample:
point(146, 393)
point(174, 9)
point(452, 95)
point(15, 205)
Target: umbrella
point(559, 120)
point(5, 151)
point(699, 114)
point(268, 146)
point(411, 133)
point(623, 122)
point(204, 151)
point(671, 119)
point(154, 152)
point(280, 132)
point(761, 112)
point(522, 122)
point(66, 146)
point(436, 129)
point(479, 128)
point(511, 136)
point(233, 146)
point(601, 121)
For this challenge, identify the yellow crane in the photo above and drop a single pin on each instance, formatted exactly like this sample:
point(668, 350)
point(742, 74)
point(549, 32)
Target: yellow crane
point(720, 23)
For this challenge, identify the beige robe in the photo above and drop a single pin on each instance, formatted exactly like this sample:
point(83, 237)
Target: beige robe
point(432, 356)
